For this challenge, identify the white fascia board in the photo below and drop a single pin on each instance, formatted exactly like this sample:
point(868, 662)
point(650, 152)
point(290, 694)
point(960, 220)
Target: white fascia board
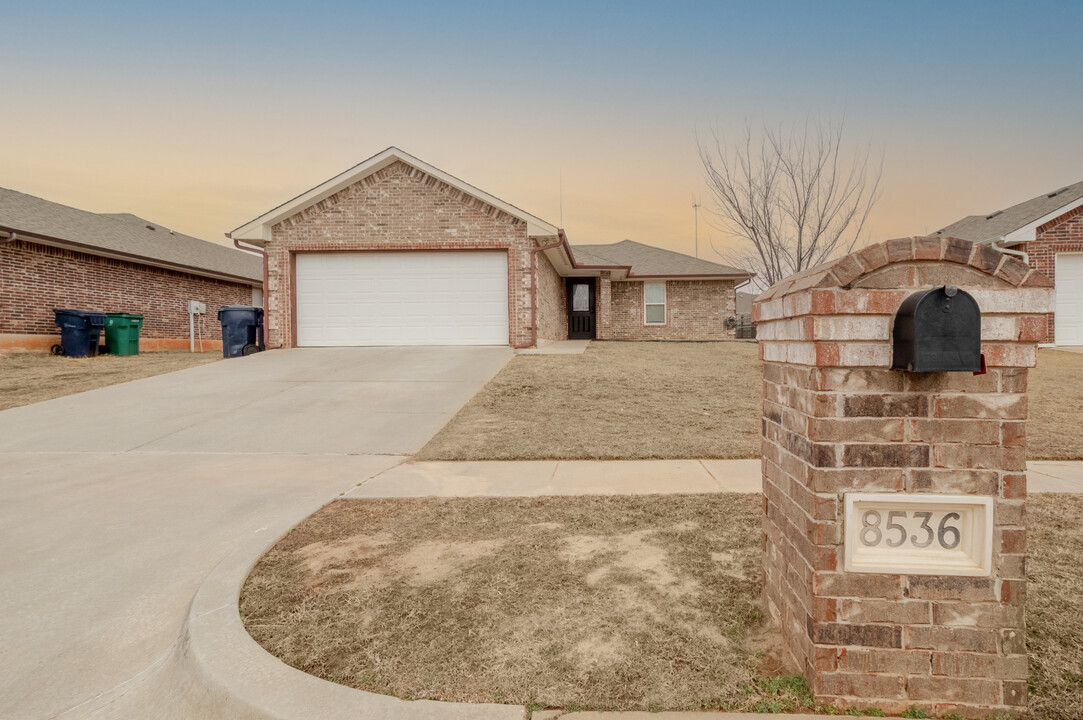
point(259, 230)
point(1028, 232)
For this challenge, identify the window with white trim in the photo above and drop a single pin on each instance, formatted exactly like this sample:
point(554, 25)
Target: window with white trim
point(654, 303)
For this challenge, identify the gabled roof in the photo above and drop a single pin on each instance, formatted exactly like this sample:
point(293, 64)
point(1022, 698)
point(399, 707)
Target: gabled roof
point(123, 236)
point(647, 261)
point(258, 231)
point(1017, 223)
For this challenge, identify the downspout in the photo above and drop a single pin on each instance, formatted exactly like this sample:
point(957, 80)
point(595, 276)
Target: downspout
point(263, 254)
point(534, 289)
point(12, 237)
point(1007, 251)
point(735, 289)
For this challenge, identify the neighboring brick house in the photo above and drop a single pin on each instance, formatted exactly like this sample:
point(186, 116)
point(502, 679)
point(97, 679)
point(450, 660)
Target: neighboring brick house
point(397, 252)
point(54, 256)
point(1049, 230)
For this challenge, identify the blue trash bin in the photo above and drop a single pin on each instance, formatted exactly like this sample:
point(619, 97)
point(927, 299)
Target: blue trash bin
point(242, 330)
point(79, 332)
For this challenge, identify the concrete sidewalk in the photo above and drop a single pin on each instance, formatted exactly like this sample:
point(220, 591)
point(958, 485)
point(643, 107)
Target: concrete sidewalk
point(618, 477)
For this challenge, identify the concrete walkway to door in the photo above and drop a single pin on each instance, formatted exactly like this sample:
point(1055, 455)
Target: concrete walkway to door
point(115, 504)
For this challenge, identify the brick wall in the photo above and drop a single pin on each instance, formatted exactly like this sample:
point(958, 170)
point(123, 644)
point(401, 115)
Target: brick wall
point(836, 420)
point(1060, 235)
point(695, 310)
point(397, 208)
point(552, 302)
point(603, 321)
point(35, 279)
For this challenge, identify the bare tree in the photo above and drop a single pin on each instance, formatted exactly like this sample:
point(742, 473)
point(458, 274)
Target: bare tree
point(790, 195)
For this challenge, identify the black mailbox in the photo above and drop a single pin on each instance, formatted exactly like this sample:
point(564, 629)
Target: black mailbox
point(938, 330)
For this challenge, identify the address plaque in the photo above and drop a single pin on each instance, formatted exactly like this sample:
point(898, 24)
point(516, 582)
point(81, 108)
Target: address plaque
point(918, 534)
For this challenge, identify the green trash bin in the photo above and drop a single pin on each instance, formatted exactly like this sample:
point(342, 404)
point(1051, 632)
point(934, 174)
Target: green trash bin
point(122, 333)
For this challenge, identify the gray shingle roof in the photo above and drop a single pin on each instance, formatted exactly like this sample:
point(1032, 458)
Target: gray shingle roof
point(650, 261)
point(987, 228)
point(123, 234)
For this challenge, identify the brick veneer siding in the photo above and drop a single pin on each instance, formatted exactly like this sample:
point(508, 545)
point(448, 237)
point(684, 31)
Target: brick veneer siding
point(695, 310)
point(35, 279)
point(396, 208)
point(1060, 235)
point(552, 302)
point(603, 321)
point(836, 419)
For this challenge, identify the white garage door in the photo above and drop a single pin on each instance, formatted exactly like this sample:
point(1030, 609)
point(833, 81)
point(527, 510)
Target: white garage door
point(1069, 317)
point(402, 298)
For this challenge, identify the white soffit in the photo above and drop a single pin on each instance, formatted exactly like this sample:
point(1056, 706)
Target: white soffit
point(1028, 232)
point(259, 230)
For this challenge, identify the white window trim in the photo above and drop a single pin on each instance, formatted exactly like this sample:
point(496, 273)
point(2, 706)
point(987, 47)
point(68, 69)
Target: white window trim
point(664, 303)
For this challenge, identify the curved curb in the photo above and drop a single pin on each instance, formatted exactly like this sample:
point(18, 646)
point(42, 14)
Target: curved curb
point(232, 676)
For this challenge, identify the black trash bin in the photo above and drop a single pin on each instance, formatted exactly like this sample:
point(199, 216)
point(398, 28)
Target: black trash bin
point(242, 330)
point(79, 332)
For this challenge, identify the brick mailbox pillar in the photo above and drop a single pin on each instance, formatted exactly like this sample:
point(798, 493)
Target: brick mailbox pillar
point(895, 538)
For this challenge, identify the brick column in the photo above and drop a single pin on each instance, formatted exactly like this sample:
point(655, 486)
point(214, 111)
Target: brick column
point(603, 323)
point(838, 420)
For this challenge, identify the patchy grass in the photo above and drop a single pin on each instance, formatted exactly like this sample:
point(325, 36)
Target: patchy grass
point(596, 603)
point(1055, 605)
point(648, 603)
point(615, 401)
point(30, 377)
point(1056, 406)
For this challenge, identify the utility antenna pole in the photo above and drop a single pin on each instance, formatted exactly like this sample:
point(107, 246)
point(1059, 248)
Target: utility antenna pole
point(695, 208)
point(562, 197)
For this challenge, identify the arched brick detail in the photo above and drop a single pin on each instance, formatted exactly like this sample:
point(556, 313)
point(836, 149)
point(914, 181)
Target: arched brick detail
point(836, 316)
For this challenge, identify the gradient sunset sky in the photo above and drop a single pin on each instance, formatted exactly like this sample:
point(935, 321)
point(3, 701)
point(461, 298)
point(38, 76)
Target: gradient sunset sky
point(201, 116)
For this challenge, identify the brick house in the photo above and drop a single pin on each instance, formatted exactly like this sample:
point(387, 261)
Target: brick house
point(1049, 230)
point(55, 256)
point(397, 252)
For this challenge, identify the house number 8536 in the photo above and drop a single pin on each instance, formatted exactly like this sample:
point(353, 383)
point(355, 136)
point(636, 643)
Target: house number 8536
point(876, 530)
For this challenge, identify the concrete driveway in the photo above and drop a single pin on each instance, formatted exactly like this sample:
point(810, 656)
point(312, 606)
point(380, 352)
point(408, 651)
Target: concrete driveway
point(116, 503)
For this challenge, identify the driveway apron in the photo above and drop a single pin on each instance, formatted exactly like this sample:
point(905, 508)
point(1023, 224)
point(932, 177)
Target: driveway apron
point(116, 503)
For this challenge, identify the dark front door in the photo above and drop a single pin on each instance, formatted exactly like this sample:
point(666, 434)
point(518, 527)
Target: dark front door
point(580, 308)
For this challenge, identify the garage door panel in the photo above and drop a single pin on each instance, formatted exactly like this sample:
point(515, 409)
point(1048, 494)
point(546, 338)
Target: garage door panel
point(402, 298)
point(1069, 292)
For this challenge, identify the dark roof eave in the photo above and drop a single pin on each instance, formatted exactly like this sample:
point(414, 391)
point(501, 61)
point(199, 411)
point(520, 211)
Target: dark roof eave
point(138, 259)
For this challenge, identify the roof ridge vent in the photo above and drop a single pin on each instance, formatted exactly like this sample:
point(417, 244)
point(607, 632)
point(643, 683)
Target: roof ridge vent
point(1058, 192)
point(998, 212)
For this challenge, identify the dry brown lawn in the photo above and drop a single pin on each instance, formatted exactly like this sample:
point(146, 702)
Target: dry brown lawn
point(679, 400)
point(601, 602)
point(615, 401)
point(30, 377)
point(1055, 424)
point(1055, 605)
point(583, 602)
